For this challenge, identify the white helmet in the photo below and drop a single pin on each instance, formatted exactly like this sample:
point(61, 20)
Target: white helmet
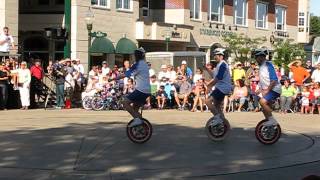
point(219, 51)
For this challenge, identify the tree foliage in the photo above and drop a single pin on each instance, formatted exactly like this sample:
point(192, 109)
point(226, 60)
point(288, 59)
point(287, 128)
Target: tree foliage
point(315, 25)
point(241, 45)
point(285, 51)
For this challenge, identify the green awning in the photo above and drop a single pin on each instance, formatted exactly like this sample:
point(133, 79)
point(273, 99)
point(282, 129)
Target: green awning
point(102, 45)
point(125, 46)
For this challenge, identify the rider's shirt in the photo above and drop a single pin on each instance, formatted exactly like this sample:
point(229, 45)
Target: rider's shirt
point(222, 73)
point(140, 71)
point(267, 74)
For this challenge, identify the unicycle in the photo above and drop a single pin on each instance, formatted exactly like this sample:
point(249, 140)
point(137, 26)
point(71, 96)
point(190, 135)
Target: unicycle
point(267, 134)
point(218, 132)
point(141, 133)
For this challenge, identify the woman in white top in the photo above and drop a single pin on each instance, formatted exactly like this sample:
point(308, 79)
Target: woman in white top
point(198, 75)
point(24, 79)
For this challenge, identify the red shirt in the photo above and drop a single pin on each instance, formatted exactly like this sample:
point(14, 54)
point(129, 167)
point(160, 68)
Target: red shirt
point(311, 96)
point(37, 72)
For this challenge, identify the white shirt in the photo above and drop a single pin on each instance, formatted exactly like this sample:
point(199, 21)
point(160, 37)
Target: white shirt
point(163, 74)
point(197, 77)
point(222, 73)
point(6, 46)
point(173, 76)
point(79, 68)
point(316, 76)
point(267, 74)
point(105, 70)
point(24, 75)
point(151, 72)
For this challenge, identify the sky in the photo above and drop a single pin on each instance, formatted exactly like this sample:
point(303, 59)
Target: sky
point(315, 7)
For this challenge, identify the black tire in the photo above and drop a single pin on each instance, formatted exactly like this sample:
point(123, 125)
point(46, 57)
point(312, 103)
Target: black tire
point(260, 133)
point(86, 103)
point(97, 103)
point(223, 130)
point(144, 130)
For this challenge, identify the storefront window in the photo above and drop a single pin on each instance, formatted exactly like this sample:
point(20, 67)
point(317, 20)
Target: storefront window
point(124, 4)
point(145, 7)
point(103, 3)
point(240, 12)
point(215, 10)
point(261, 15)
point(280, 18)
point(195, 9)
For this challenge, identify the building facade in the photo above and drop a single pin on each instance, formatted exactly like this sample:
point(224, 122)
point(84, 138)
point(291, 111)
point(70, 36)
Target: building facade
point(156, 25)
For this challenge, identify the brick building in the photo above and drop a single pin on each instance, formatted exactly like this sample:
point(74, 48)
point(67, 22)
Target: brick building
point(179, 25)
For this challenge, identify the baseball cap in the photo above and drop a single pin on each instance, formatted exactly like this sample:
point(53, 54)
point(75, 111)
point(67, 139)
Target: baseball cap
point(184, 62)
point(104, 62)
point(163, 66)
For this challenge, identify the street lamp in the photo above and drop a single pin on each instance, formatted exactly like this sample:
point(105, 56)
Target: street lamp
point(89, 21)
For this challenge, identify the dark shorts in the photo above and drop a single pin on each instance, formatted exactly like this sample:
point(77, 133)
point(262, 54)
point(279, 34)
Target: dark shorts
point(271, 96)
point(218, 95)
point(138, 97)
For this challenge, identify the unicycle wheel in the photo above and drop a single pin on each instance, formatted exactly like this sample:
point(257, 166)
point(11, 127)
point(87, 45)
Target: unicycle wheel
point(267, 134)
point(141, 133)
point(219, 131)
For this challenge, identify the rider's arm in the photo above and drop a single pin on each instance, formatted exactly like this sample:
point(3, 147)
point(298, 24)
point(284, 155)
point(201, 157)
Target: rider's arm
point(273, 77)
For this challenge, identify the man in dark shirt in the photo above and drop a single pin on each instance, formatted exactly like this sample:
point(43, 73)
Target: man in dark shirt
point(37, 74)
point(3, 87)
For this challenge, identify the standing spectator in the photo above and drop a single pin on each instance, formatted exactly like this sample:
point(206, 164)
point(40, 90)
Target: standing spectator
point(37, 75)
point(238, 72)
point(316, 98)
point(164, 73)
point(50, 68)
point(79, 77)
point(126, 65)
point(310, 70)
point(154, 86)
point(283, 70)
point(183, 93)
point(24, 79)
point(105, 68)
point(198, 75)
point(287, 96)
point(305, 100)
point(278, 73)
point(129, 87)
point(186, 70)
point(6, 41)
point(60, 72)
point(300, 74)
point(250, 73)
point(151, 71)
point(3, 87)
point(316, 74)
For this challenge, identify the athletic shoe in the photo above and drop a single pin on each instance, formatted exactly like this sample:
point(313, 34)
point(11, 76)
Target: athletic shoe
point(136, 122)
point(216, 120)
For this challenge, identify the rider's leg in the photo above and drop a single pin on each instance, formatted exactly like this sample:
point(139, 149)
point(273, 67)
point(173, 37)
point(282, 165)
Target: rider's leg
point(267, 112)
point(132, 109)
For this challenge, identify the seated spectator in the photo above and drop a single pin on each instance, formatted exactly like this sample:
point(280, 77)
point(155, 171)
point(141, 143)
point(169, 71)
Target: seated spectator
point(299, 73)
point(154, 84)
point(151, 71)
point(183, 92)
point(201, 94)
point(198, 75)
point(164, 73)
point(161, 97)
point(240, 93)
point(129, 87)
point(288, 93)
point(316, 98)
point(305, 100)
point(92, 88)
point(173, 74)
point(105, 68)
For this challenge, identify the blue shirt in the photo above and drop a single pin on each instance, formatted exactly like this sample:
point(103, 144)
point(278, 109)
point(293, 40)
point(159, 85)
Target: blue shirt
point(222, 74)
point(140, 72)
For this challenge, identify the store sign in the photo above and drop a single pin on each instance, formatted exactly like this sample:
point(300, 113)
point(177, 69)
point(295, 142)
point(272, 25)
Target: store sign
point(176, 35)
point(211, 32)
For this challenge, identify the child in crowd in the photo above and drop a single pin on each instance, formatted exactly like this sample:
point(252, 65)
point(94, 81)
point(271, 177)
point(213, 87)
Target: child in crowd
point(316, 98)
point(305, 100)
point(161, 97)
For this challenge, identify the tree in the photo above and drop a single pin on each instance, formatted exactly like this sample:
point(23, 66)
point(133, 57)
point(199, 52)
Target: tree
point(285, 51)
point(241, 45)
point(315, 26)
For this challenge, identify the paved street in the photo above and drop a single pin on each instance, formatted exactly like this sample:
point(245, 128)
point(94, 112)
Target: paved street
point(78, 144)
